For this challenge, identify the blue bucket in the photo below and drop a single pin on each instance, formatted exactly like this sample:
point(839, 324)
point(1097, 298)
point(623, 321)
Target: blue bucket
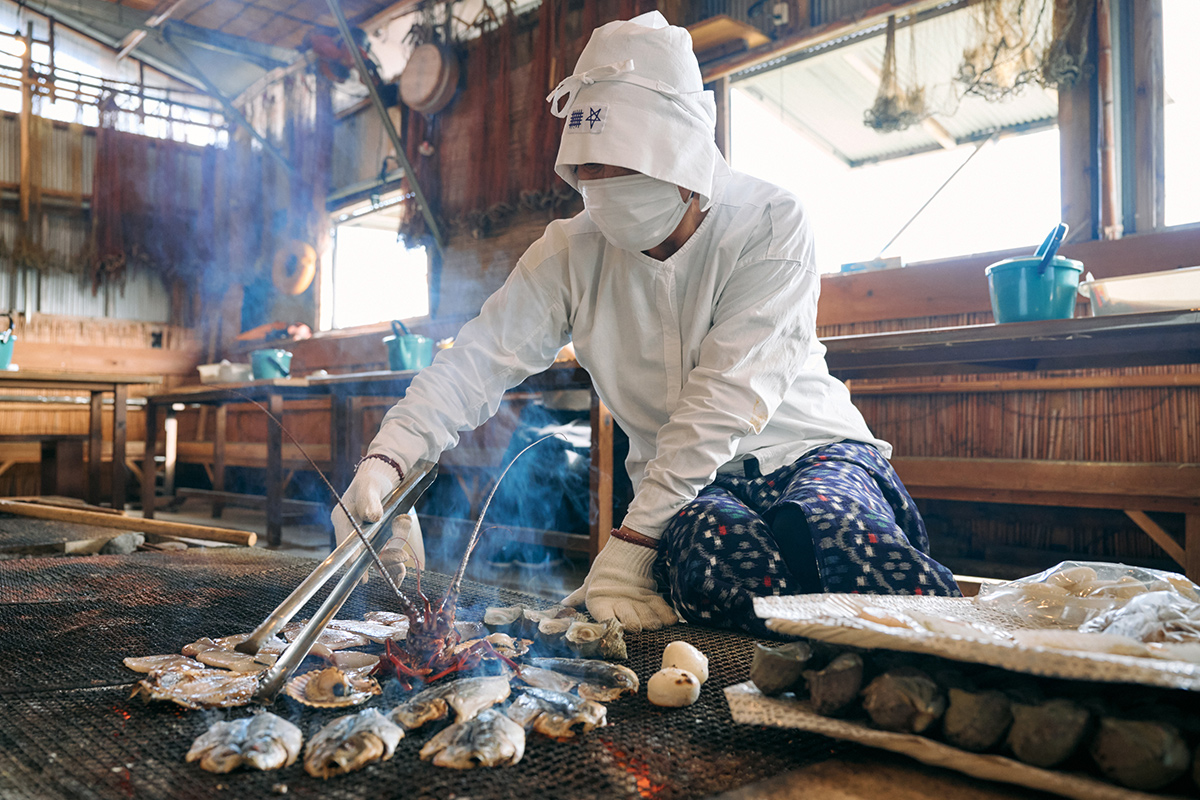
point(1021, 292)
point(407, 350)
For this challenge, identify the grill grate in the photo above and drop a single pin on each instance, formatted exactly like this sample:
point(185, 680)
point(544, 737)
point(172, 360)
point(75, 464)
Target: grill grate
point(69, 729)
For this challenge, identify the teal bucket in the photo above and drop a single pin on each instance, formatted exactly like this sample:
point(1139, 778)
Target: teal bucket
point(7, 338)
point(270, 363)
point(407, 350)
point(1021, 292)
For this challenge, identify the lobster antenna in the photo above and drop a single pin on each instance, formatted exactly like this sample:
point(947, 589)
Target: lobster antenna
point(338, 499)
point(474, 540)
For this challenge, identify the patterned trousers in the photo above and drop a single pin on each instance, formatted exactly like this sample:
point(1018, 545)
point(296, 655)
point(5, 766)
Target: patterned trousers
point(837, 520)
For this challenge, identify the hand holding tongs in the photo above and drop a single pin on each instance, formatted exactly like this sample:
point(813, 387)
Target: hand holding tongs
point(399, 501)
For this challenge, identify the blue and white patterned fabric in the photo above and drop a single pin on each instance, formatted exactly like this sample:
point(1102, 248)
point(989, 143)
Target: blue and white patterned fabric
point(837, 520)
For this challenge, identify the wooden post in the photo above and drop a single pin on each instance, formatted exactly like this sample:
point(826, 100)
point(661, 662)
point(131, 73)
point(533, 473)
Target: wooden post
point(170, 450)
point(1148, 100)
point(219, 431)
point(26, 128)
point(120, 395)
point(95, 444)
point(1191, 541)
point(275, 471)
point(720, 89)
point(1110, 225)
point(148, 469)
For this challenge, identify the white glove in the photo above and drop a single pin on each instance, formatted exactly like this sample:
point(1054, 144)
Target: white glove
point(364, 496)
point(405, 549)
point(620, 584)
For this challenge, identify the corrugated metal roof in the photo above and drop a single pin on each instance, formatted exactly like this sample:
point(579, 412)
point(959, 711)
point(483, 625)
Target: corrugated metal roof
point(824, 95)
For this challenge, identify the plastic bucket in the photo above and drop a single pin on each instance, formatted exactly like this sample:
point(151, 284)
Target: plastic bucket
point(270, 363)
point(409, 351)
point(1020, 293)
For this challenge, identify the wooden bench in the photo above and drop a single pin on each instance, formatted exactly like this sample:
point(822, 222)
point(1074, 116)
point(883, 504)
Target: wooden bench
point(60, 455)
point(1134, 488)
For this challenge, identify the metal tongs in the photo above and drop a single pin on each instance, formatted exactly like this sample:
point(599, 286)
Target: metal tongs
point(398, 501)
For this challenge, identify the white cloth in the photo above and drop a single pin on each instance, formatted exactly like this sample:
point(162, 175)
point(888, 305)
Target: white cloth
point(637, 100)
point(704, 359)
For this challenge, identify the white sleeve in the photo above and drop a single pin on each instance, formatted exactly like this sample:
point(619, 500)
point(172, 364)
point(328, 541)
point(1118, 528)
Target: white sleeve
point(763, 327)
point(518, 333)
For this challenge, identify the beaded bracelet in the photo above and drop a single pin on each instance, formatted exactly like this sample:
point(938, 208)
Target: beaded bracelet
point(391, 462)
point(635, 538)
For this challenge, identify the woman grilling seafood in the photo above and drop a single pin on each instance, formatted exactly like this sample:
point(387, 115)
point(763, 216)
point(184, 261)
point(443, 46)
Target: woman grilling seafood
point(690, 294)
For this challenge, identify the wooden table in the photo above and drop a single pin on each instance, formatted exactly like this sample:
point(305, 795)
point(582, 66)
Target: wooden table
point(1124, 340)
point(270, 393)
point(348, 393)
point(97, 385)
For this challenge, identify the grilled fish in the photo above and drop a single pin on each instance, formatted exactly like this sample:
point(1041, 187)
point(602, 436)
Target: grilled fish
point(556, 713)
point(171, 663)
point(467, 696)
point(547, 679)
point(598, 680)
point(351, 742)
point(488, 740)
point(263, 741)
point(209, 688)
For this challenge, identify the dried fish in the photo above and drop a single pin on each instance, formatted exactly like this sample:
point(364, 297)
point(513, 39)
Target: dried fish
point(169, 662)
point(556, 714)
point(904, 699)
point(547, 679)
point(351, 742)
point(598, 680)
point(488, 740)
point(263, 741)
point(271, 647)
point(210, 688)
point(393, 618)
point(332, 638)
point(777, 669)
point(376, 632)
point(467, 696)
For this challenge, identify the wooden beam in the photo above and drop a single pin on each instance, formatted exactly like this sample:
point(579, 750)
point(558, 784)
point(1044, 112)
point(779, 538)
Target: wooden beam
point(1160, 536)
point(26, 131)
point(102, 520)
point(876, 387)
point(600, 476)
point(1097, 480)
point(105, 360)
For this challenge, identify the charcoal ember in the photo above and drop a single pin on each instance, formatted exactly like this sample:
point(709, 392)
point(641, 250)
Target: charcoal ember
point(905, 699)
point(1139, 754)
point(832, 689)
point(976, 720)
point(777, 669)
point(1046, 734)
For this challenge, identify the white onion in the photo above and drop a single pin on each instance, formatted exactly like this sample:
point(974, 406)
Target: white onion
point(673, 687)
point(684, 656)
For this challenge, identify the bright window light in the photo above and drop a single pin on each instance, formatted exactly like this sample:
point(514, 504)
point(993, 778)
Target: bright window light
point(1006, 197)
point(1181, 117)
point(375, 278)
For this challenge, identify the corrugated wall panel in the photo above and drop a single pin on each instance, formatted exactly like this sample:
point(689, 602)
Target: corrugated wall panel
point(10, 149)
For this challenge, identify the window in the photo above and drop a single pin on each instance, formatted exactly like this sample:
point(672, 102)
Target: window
point(1181, 115)
point(372, 277)
point(800, 126)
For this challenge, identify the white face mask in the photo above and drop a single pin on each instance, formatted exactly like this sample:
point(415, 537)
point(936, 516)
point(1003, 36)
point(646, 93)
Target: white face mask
point(634, 212)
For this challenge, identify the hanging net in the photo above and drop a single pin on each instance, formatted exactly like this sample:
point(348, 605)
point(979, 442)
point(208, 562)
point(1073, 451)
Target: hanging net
point(1021, 42)
point(896, 107)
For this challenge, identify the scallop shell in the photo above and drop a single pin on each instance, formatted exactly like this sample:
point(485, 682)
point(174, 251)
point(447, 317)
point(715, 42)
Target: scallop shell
point(362, 690)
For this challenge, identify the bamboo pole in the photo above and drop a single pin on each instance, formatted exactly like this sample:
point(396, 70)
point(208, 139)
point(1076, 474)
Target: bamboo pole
point(151, 526)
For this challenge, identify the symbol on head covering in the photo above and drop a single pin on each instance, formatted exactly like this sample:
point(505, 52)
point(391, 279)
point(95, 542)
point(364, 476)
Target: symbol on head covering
point(576, 119)
point(593, 117)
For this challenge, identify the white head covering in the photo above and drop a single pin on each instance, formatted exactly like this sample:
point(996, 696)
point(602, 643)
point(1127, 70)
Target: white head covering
point(637, 101)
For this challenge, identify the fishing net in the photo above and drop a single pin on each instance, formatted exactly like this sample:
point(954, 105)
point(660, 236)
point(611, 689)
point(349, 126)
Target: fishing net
point(1022, 42)
point(896, 106)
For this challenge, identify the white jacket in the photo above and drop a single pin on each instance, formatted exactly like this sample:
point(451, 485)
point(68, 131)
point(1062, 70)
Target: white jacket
point(704, 359)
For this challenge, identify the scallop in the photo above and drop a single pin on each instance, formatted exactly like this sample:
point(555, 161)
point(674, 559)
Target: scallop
point(332, 688)
point(673, 687)
point(686, 657)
